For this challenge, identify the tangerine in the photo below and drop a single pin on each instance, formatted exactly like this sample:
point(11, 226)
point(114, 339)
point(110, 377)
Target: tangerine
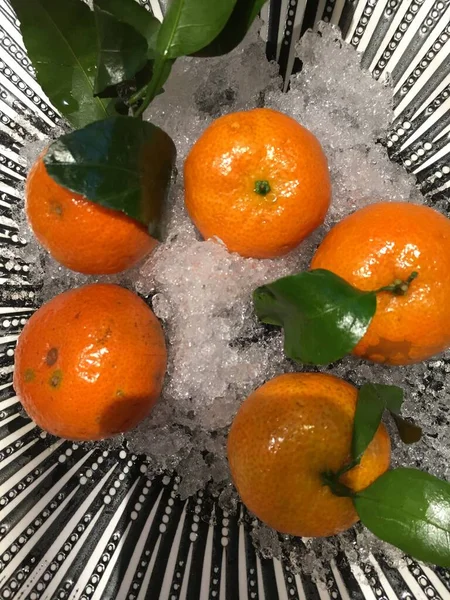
point(285, 437)
point(257, 180)
point(79, 234)
point(389, 242)
point(90, 362)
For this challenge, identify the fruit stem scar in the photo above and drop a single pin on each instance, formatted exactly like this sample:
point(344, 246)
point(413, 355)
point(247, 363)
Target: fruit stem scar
point(399, 287)
point(262, 187)
point(339, 489)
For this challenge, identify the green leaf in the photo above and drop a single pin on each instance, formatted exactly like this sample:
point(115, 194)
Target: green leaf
point(135, 15)
point(409, 433)
point(391, 395)
point(125, 89)
point(322, 315)
point(411, 510)
point(61, 42)
point(160, 74)
point(233, 33)
point(121, 163)
point(190, 25)
point(373, 399)
point(122, 51)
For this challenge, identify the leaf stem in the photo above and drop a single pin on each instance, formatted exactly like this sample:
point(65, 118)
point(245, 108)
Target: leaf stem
point(137, 96)
point(398, 287)
point(348, 467)
point(339, 489)
point(153, 87)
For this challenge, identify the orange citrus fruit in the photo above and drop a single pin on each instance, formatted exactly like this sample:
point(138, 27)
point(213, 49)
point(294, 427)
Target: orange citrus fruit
point(90, 363)
point(387, 242)
point(81, 235)
point(257, 180)
point(285, 436)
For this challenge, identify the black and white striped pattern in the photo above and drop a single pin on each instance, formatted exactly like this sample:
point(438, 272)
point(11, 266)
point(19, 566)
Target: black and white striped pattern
point(82, 522)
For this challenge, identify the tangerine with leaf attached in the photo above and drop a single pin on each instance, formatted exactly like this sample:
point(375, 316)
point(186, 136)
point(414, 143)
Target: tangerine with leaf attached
point(285, 438)
point(404, 247)
point(79, 234)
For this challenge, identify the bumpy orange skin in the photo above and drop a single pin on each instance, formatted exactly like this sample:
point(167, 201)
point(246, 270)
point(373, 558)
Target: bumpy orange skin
point(90, 363)
point(231, 155)
point(387, 241)
point(285, 435)
point(81, 235)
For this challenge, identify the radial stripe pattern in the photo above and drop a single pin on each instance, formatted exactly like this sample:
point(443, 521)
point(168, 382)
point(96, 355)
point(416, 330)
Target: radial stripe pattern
point(86, 522)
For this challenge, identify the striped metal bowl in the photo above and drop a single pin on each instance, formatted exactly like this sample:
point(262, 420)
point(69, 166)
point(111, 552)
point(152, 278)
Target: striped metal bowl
point(85, 522)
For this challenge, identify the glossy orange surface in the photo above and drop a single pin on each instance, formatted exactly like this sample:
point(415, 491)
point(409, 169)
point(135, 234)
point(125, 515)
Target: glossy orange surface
point(387, 241)
point(285, 435)
point(90, 363)
point(79, 234)
point(232, 155)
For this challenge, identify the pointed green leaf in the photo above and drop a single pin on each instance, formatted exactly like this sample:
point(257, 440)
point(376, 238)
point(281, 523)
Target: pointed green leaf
point(409, 432)
point(369, 412)
point(61, 42)
point(392, 396)
point(122, 51)
point(267, 306)
point(121, 163)
point(373, 399)
point(322, 315)
point(409, 509)
point(233, 33)
point(190, 25)
point(135, 15)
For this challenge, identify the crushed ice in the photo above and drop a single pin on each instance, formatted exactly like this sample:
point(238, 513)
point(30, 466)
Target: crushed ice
point(218, 352)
